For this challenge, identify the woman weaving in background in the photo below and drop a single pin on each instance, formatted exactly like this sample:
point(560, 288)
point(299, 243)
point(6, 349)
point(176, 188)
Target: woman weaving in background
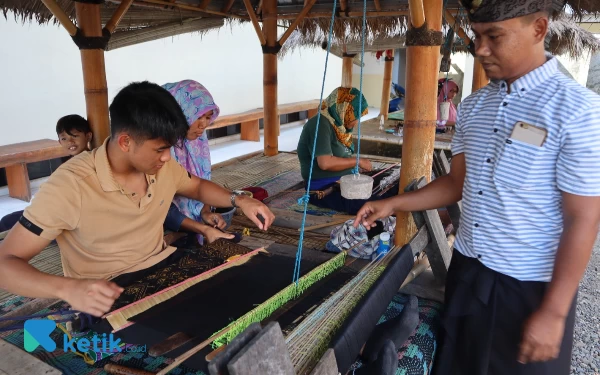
point(334, 154)
point(200, 111)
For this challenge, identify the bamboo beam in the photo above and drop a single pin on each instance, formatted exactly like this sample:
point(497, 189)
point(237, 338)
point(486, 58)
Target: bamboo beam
point(94, 73)
point(387, 86)
point(420, 113)
point(377, 5)
point(480, 79)
point(347, 64)
point(343, 4)
point(457, 29)
point(61, 16)
point(205, 4)
point(252, 14)
point(350, 14)
point(227, 6)
point(114, 21)
point(417, 13)
point(271, 119)
point(195, 8)
point(298, 19)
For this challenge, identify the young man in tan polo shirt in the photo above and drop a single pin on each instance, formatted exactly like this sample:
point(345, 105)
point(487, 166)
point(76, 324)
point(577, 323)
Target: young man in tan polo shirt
point(106, 208)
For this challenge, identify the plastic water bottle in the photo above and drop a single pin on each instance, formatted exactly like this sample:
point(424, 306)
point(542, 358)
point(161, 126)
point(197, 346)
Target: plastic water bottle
point(384, 244)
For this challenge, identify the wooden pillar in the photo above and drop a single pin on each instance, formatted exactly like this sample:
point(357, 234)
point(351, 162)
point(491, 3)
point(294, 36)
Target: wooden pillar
point(17, 179)
point(420, 111)
point(387, 85)
point(347, 64)
point(250, 131)
point(94, 73)
point(271, 119)
point(480, 79)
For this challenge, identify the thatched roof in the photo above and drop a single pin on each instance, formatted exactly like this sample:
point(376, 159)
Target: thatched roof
point(564, 37)
point(153, 19)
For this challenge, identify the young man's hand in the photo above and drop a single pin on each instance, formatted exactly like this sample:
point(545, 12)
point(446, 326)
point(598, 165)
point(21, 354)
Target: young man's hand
point(253, 208)
point(94, 297)
point(213, 234)
point(373, 211)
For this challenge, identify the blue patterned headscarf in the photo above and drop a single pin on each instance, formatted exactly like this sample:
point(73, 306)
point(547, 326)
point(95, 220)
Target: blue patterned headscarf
point(195, 101)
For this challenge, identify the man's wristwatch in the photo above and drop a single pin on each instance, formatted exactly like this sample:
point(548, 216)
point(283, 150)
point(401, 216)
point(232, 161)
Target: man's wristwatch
point(234, 194)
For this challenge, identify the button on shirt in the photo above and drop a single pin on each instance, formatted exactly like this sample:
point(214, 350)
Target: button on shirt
point(511, 204)
point(102, 229)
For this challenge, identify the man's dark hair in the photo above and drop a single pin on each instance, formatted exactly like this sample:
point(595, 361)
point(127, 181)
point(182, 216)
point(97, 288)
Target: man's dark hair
point(72, 122)
point(147, 111)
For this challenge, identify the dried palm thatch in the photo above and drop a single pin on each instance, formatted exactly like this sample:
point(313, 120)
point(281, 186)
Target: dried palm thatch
point(347, 29)
point(564, 37)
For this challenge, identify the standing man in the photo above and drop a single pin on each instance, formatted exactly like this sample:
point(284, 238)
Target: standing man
point(526, 164)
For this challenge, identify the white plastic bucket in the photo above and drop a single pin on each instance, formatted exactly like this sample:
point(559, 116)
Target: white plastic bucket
point(356, 186)
point(444, 111)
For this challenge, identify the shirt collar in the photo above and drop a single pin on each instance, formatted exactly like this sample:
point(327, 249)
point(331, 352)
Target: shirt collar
point(105, 175)
point(107, 181)
point(532, 79)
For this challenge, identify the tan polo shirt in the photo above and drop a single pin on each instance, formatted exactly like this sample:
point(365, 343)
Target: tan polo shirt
point(102, 229)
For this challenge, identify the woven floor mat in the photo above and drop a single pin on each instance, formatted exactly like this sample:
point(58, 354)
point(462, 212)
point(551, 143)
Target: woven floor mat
point(254, 170)
point(48, 261)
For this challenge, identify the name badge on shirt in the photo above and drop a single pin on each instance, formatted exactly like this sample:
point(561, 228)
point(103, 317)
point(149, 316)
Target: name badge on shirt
point(529, 134)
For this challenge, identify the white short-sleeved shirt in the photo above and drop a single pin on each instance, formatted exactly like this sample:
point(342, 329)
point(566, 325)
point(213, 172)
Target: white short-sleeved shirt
point(511, 205)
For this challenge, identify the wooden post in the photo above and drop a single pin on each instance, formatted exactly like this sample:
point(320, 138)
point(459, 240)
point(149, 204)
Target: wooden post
point(347, 64)
point(94, 73)
point(480, 79)
point(387, 85)
point(250, 131)
point(17, 179)
point(420, 111)
point(271, 118)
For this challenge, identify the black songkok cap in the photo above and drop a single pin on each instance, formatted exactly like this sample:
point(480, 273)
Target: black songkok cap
point(500, 10)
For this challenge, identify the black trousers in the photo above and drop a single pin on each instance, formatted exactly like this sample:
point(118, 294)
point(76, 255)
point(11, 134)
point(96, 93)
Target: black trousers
point(485, 312)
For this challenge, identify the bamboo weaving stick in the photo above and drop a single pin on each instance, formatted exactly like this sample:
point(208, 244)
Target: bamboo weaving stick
point(182, 358)
point(324, 225)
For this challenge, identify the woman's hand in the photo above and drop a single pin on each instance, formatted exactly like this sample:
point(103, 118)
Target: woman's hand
point(213, 219)
point(365, 164)
point(213, 234)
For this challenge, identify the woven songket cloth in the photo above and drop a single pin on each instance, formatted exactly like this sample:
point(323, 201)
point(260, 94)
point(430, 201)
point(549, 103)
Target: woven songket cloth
point(501, 10)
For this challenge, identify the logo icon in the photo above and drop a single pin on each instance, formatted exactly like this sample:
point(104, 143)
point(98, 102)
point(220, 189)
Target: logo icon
point(37, 333)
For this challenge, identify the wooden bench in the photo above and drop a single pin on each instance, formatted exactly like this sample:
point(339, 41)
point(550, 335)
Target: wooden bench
point(249, 120)
point(14, 158)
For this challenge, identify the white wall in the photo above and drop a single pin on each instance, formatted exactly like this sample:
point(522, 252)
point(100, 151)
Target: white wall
point(42, 79)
